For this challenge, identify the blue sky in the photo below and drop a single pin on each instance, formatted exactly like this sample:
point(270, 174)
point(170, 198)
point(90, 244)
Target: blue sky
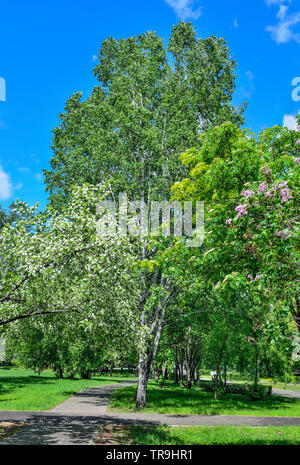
point(48, 50)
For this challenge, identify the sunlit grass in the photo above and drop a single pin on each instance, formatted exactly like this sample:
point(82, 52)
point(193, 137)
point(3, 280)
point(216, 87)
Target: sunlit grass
point(211, 435)
point(175, 400)
point(25, 390)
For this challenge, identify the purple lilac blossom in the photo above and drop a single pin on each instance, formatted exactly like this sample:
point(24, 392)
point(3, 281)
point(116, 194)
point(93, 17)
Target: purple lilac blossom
point(241, 210)
point(297, 160)
point(267, 171)
point(282, 184)
point(262, 187)
point(280, 234)
point(285, 195)
point(248, 193)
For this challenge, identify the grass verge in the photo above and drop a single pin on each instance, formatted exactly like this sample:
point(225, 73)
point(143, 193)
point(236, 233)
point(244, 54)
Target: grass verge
point(198, 435)
point(22, 389)
point(176, 400)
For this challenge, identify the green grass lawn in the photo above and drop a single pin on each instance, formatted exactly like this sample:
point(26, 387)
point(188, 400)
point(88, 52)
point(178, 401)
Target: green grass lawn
point(175, 400)
point(209, 435)
point(22, 389)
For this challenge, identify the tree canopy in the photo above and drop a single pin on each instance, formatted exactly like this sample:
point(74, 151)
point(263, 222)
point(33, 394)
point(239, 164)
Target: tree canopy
point(151, 104)
point(160, 125)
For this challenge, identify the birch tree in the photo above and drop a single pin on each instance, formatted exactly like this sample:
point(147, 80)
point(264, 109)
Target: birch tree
point(151, 104)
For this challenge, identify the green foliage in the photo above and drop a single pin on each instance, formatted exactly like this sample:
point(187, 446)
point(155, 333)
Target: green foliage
point(160, 123)
point(244, 276)
point(145, 111)
point(56, 263)
point(162, 382)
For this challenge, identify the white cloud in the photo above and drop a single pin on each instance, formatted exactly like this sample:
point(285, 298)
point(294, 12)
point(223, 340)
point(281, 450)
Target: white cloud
point(235, 23)
point(35, 158)
point(274, 2)
point(39, 177)
point(23, 169)
point(277, 2)
point(6, 186)
point(283, 32)
point(289, 121)
point(282, 12)
point(250, 75)
point(247, 91)
point(94, 58)
point(185, 9)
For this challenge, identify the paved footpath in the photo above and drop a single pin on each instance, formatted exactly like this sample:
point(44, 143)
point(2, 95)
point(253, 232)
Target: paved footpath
point(76, 421)
point(286, 393)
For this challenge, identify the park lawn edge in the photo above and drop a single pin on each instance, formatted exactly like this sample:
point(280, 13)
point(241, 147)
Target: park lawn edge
point(128, 405)
point(28, 397)
point(197, 435)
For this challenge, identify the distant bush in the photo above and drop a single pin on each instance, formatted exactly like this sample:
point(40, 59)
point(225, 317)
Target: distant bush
point(162, 382)
point(206, 386)
point(238, 377)
point(258, 392)
point(255, 393)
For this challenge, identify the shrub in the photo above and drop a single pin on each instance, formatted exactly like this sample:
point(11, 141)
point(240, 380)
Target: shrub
point(206, 386)
point(235, 389)
point(258, 392)
point(255, 393)
point(162, 381)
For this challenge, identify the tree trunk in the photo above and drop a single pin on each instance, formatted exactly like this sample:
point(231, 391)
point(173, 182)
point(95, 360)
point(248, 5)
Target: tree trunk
point(153, 352)
point(176, 370)
point(158, 370)
point(181, 369)
point(196, 376)
point(157, 373)
point(141, 392)
point(188, 377)
point(147, 356)
point(225, 375)
point(111, 369)
point(165, 370)
point(216, 382)
point(256, 373)
point(176, 373)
